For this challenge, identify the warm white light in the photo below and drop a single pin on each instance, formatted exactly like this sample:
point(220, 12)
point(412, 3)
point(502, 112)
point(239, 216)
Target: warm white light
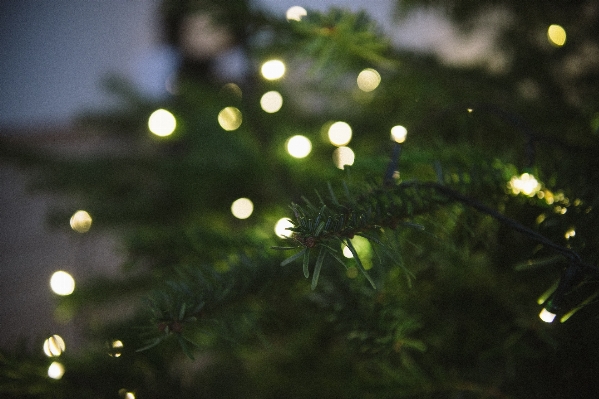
point(229, 118)
point(546, 316)
point(271, 102)
point(62, 283)
point(556, 35)
point(570, 233)
point(162, 123)
point(343, 156)
point(281, 228)
point(115, 348)
point(126, 394)
point(54, 346)
point(340, 133)
point(347, 253)
point(368, 80)
point(56, 371)
point(526, 184)
point(560, 209)
point(242, 208)
point(399, 133)
point(81, 221)
point(362, 247)
point(273, 69)
point(299, 146)
point(296, 13)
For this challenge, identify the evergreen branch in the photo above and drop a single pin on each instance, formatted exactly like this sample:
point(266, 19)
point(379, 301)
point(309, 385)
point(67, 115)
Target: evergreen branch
point(359, 262)
point(571, 255)
point(200, 292)
point(318, 266)
point(343, 35)
point(387, 207)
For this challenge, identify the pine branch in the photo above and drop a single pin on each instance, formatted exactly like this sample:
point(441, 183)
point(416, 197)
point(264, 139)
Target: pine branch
point(200, 298)
point(385, 208)
point(340, 35)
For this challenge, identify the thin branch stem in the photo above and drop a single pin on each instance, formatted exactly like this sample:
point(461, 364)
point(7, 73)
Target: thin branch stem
point(572, 256)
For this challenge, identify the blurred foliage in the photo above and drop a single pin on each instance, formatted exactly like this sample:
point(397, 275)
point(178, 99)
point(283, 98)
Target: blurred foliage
point(457, 260)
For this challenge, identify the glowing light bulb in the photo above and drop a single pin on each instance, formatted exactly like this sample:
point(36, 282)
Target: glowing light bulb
point(126, 394)
point(54, 346)
point(399, 133)
point(347, 253)
point(299, 146)
point(116, 348)
point(273, 69)
point(343, 156)
point(281, 228)
point(162, 123)
point(296, 13)
point(56, 370)
point(363, 248)
point(556, 35)
point(340, 133)
point(242, 208)
point(62, 283)
point(526, 184)
point(230, 118)
point(271, 101)
point(368, 80)
point(81, 221)
point(570, 233)
point(546, 316)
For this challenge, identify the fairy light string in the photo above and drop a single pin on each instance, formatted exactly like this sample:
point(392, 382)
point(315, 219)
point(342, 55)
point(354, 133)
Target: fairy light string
point(577, 267)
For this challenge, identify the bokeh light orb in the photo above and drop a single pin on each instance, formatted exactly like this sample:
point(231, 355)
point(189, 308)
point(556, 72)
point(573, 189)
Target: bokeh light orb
point(525, 184)
point(368, 80)
point(343, 156)
point(116, 348)
point(54, 346)
point(62, 283)
point(230, 118)
point(271, 102)
point(340, 133)
point(399, 133)
point(556, 35)
point(299, 146)
point(162, 123)
point(56, 371)
point(81, 221)
point(273, 69)
point(282, 226)
point(242, 208)
point(296, 13)
point(546, 316)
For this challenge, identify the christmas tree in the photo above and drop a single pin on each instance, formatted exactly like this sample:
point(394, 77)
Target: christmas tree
point(340, 218)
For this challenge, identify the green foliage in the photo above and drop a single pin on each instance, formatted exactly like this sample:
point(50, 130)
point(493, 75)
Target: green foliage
point(441, 303)
point(342, 39)
point(367, 215)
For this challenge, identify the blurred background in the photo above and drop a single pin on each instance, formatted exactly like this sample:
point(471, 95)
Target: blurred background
point(55, 56)
point(499, 106)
